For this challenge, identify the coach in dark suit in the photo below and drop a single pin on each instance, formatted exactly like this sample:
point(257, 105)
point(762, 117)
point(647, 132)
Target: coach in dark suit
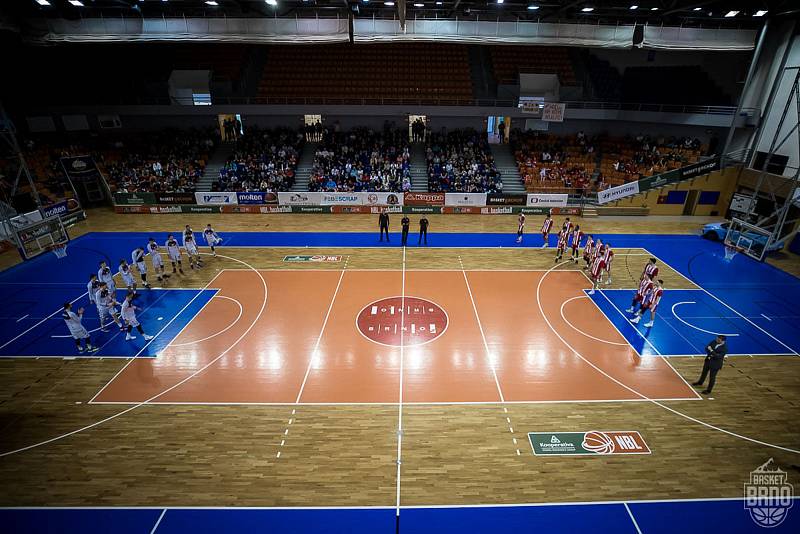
point(715, 355)
point(383, 224)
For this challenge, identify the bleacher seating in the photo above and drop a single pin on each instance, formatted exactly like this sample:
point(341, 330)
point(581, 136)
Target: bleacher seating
point(428, 72)
point(262, 160)
point(461, 161)
point(509, 61)
point(362, 160)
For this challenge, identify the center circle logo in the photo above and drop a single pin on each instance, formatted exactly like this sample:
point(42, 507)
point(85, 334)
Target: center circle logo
point(382, 321)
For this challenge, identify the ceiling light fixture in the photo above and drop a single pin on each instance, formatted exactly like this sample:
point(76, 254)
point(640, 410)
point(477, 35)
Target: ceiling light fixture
point(760, 13)
point(212, 2)
point(43, 2)
point(633, 7)
point(653, 9)
point(697, 9)
point(419, 5)
point(730, 14)
point(272, 2)
point(587, 9)
point(390, 4)
point(76, 3)
point(533, 7)
point(500, 1)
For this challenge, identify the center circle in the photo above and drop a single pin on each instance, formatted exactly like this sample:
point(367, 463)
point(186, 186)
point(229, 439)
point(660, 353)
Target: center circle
point(383, 321)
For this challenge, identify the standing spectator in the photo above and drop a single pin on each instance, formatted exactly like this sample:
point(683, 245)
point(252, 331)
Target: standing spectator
point(501, 131)
point(715, 356)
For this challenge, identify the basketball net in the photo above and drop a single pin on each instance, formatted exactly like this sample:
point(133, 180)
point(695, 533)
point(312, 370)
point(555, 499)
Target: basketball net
point(730, 252)
point(60, 251)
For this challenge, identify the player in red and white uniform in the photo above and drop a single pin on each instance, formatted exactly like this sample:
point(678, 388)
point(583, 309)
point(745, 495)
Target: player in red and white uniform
point(644, 288)
point(520, 227)
point(650, 302)
point(566, 226)
point(562, 245)
point(588, 250)
point(596, 272)
point(546, 226)
point(598, 250)
point(650, 269)
point(608, 257)
point(575, 242)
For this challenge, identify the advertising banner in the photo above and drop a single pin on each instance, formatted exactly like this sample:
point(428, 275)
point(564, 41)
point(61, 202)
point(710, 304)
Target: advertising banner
point(216, 199)
point(698, 169)
point(536, 211)
point(543, 200)
point(257, 197)
point(553, 112)
point(311, 209)
point(508, 199)
point(500, 210)
point(670, 177)
point(465, 199)
point(422, 209)
point(299, 199)
point(57, 209)
point(423, 199)
point(461, 209)
point(134, 199)
point(590, 443)
point(80, 168)
point(174, 198)
point(381, 199)
point(615, 193)
point(340, 199)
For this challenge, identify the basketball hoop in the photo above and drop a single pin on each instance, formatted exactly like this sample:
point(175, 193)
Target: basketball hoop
point(730, 252)
point(60, 250)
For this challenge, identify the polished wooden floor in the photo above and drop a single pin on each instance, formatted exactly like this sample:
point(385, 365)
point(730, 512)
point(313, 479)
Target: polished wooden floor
point(172, 455)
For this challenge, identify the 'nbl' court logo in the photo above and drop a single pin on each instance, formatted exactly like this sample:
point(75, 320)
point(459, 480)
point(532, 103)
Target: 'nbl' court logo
point(417, 320)
point(768, 496)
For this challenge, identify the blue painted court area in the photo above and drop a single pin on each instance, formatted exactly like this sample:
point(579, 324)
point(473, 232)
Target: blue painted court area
point(687, 320)
point(726, 516)
point(36, 329)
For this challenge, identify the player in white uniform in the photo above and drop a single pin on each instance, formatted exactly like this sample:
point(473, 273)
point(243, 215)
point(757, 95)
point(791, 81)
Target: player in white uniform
point(137, 257)
point(127, 275)
point(154, 252)
point(76, 329)
point(174, 253)
point(106, 307)
point(212, 238)
point(191, 249)
point(91, 287)
point(104, 274)
point(129, 315)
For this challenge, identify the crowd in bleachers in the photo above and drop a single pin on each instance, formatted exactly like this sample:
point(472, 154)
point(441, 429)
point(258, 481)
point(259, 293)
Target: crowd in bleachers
point(461, 161)
point(262, 160)
point(581, 163)
point(169, 161)
point(362, 160)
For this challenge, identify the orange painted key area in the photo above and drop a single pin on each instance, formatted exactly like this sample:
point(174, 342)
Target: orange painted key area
point(294, 336)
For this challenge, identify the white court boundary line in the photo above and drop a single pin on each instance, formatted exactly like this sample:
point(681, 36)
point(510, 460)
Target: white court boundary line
point(183, 381)
point(241, 310)
point(400, 402)
point(584, 333)
point(693, 326)
point(155, 527)
point(635, 524)
point(40, 322)
point(627, 320)
point(643, 396)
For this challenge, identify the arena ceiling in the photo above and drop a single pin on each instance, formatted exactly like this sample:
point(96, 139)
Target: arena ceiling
point(708, 13)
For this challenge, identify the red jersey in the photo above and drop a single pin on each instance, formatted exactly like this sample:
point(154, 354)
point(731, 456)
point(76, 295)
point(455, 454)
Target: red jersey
point(575, 238)
point(598, 251)
point(608, 257)
point(566, 227)
point(546, 225)
point(597, 267)
point(644, 287)
point(562, 240)
point(652, 299)
point(587, 250)
point(650, 269)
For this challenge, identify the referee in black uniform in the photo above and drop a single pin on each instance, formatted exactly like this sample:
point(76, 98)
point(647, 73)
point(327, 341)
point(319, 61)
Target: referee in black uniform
point(423, 230)
point(383, 224)
point(405, 222)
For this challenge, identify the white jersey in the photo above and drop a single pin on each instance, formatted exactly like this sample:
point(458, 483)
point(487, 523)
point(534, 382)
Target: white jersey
point(105, 275)
point(137, 256)
point(104, 304)
point(127, 275)
point(155, 255)
point(189, 244)
point(129, 313)
point(173, 250)
point(73, 321)
point(211, 236)
point(91, 288)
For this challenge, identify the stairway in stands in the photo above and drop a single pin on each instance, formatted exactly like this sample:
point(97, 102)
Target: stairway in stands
point(506, 163)
point(419, 168)
point(304, 167)
point(215, 163)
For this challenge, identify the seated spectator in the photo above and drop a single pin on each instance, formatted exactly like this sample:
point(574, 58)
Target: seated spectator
point(460, 161)
point(262, 160)
point(362, 160)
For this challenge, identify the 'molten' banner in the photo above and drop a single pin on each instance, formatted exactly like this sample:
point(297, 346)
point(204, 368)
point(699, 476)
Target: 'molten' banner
point(256, 197)
point(423, 199)
point(509, 199)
